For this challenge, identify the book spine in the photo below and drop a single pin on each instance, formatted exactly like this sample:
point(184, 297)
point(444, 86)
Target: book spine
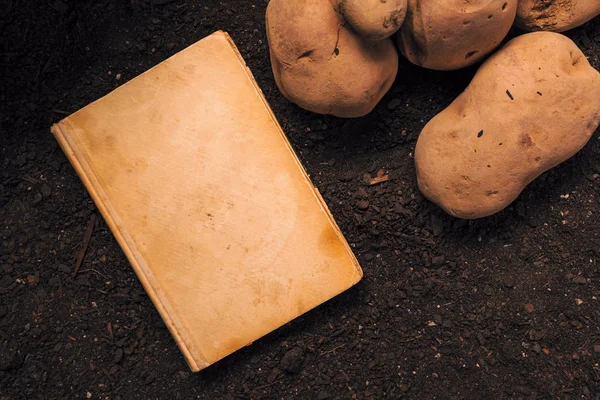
point(192, 355)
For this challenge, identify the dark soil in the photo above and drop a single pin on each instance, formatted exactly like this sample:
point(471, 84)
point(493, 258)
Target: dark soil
point(502, 307)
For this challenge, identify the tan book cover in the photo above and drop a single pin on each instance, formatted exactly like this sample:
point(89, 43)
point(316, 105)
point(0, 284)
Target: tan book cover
point(209, 202)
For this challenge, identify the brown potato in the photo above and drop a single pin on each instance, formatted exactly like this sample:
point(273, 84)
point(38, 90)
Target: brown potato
point(373, 19)
point(555, 15)
point(531, 106)
point(322, 65)
point(453, 34)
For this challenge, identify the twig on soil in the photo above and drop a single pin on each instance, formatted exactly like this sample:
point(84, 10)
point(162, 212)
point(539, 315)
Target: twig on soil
point(109, 327)
point(332, 350)
point(379, 179)
point(86, 242)
point(60, 111)
point(410, 339)
point(29, 179)
point(93, 271)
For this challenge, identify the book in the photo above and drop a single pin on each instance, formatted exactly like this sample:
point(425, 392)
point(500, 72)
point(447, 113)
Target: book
point(210, 204)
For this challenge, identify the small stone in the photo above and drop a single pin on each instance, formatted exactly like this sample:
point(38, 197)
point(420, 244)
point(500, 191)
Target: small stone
point(574, 356)
point(508, 281)
point(362, 204)
point(45, 190)
point(536, 336)
point(437, 260)
point(292, 360)
point(345, 177)
point(394, 103)
point(34, 279)
point(529, 308)
point(536, 348)
point(183, 374)
point(578, 302)
point(118, 357)
point(65, 268)
point(170, 46)
point(322, 395)
point(580, 280)
point(149, 379)
point(596, 348)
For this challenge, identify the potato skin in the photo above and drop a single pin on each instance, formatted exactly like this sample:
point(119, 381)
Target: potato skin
point(531, 106)
point(555, 15)
point(373, 19)
point(453, 34)
point(323, 66)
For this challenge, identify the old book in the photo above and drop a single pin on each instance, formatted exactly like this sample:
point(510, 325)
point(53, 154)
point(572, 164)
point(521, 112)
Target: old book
point(210, 204)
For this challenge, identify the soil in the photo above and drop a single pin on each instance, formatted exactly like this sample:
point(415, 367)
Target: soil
point(501, 307)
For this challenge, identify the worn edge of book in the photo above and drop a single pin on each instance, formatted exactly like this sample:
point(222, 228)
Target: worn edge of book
point(127, 244)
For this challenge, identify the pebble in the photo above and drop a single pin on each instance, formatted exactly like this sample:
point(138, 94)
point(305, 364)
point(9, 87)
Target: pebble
point(394, 103)
point(292, 360)
point(46, 191)
point(118, 357)
point(362, 204)
point(322, 395)
point(580, 280)
point(597, 348)
point(536, 335)
point(508, 281)
point(65, 268)
point(529, 308)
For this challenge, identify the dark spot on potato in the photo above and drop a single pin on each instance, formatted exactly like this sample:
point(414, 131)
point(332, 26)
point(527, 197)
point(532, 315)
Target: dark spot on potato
point(491, 192)
point(500, 144)
point(306, 54)
point(336, 51)
point(490, 16)
point(504, 6)
point(471, 54)
point(526, 140)
point(537, 159)
point(480, 134)
point(466, 22)
point(510, 95)
point(489, 166)
point(539, 93)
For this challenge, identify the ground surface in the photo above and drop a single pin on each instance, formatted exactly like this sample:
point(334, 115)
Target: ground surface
point(447, 308)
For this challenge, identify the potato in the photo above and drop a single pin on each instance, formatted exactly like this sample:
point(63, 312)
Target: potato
point(555, 15)
point(453, 34)
point(373, 19)
point(530, 106)
point(322, 65)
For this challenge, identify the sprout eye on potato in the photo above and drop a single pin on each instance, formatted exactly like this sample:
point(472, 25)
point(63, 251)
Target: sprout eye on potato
point(453, 34)
point(555, 15)
point(530, 106)
point(322, 64)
